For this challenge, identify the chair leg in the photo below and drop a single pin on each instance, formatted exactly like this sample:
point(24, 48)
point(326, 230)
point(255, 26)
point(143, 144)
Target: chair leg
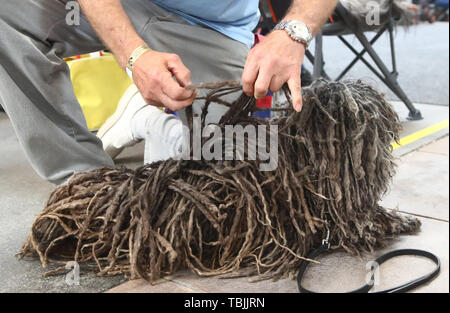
point(390, 78)
point(317, 59)
point(310, 56)
point(392, 43)
point(312, 59)
point(318, 55)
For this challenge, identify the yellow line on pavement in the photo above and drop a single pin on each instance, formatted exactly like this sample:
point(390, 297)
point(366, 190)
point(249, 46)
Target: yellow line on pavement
point(420, 134)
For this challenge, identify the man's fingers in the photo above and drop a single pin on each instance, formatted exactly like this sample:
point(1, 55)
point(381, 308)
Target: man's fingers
point(179, 70)
point(175, 105)
point(262, 84)
point(295, 86)
point(277, 83)
point(249, 77)
point(173, 90)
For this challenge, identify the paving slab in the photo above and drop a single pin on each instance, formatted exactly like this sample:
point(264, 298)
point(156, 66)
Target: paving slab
point(421, 185)
point(163, 286)
point(438, 147)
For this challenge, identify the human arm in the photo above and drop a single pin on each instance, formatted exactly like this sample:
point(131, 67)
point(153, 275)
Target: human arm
point(153, 72)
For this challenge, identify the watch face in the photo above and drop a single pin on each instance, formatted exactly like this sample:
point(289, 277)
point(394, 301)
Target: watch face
point(299, 30)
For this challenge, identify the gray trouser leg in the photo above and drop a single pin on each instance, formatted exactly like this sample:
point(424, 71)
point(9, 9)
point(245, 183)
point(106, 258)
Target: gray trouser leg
point(36, 91)
point(35, 86)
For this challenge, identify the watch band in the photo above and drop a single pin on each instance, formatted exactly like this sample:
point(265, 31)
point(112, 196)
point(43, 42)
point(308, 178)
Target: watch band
point(137, 53)
point(281, 25)
point(285, 26)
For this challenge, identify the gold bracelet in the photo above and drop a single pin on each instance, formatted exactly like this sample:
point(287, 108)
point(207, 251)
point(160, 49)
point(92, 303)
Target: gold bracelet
point(137, 53)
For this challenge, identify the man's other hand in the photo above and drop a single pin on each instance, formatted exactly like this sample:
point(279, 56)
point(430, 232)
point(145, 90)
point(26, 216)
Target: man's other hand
point(153, 74)
point(272, 63)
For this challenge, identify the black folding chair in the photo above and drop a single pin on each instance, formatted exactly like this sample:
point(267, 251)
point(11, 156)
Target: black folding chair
point(345, 25)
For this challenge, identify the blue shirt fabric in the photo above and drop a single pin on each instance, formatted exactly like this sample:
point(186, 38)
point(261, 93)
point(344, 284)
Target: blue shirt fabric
point(233, 18)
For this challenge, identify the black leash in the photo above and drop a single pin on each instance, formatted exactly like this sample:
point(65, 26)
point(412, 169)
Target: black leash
point(368, 286)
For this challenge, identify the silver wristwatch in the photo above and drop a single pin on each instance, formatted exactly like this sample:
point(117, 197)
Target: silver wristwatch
point(297, 30)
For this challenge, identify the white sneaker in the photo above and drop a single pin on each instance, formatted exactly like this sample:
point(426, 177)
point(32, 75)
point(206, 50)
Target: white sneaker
point(116, 134)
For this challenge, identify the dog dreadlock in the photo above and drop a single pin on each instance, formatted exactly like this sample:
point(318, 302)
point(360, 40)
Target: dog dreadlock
point(225, 217)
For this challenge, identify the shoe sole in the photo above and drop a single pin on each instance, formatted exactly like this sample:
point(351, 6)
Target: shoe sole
point(112, 121)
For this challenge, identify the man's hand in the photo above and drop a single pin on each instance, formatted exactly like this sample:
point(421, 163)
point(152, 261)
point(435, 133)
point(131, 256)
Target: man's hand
point(153, 74)
point(278, 59)
point(270, 64)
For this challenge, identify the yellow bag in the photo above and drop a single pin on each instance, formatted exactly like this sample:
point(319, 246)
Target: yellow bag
point(99, 83)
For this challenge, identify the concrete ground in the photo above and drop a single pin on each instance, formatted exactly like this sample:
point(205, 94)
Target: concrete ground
point(420, 188)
